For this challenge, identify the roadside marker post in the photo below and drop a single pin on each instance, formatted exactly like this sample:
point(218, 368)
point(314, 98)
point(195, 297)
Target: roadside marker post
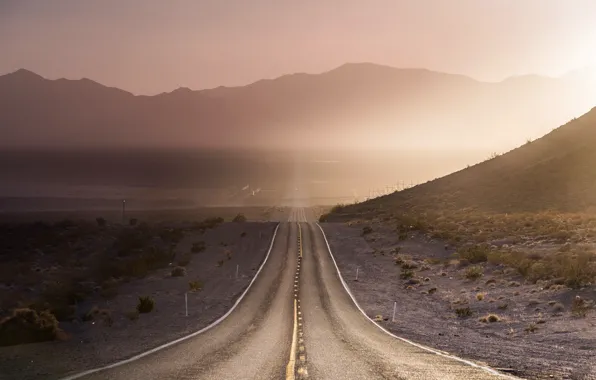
point(186, 302)
point(237, 267)
point(356, 274)
point(394, 308)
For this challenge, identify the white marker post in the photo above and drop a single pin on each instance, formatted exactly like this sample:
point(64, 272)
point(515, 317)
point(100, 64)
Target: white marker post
point(356, 275)
point(237, 267)
point(186, 302)
point(394, 308)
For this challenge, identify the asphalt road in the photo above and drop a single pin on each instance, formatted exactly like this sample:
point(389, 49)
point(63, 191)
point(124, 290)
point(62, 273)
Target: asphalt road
point(297, 321)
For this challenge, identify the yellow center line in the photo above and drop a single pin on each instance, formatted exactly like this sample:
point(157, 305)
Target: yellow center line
point(291, 367)
point(299, 240)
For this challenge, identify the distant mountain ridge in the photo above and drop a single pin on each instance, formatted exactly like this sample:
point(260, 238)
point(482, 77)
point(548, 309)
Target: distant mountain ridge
point(347, 106)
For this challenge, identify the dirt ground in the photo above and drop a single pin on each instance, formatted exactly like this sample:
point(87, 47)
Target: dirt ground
point(536, 335)
point(164, 214)
point(95, 343)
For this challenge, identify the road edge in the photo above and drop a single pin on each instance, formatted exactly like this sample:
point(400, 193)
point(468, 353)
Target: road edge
point(191, 335)
point(429, 349)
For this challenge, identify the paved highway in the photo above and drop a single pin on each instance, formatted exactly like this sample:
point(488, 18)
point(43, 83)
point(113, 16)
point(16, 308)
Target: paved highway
point(297, 321)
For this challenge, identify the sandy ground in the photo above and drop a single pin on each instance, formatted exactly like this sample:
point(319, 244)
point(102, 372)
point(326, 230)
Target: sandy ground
point(562, 347)
point(92, 344)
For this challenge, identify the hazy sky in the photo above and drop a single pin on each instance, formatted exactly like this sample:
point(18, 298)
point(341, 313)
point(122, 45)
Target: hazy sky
point(150, 46)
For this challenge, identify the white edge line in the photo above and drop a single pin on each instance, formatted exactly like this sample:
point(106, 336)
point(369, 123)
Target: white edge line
point(432, 350)
point(153, 350)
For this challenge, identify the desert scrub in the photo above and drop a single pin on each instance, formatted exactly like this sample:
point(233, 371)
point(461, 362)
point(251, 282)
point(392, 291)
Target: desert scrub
point(179, 272)
point(491, 318)
point(145, 305)
point(240, 218)
point(574, 267)
point(195, 286)
point(474, 272)
point(463, 312)
point(366, 230)
point(28, 326)
point(480, 296)
point(406, 274)
point(474, 254)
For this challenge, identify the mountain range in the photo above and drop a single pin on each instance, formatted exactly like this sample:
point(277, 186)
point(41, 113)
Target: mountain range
point(354, 105)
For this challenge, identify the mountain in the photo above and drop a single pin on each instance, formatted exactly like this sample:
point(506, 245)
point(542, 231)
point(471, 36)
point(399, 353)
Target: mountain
point(553, 173)
point(352, 105)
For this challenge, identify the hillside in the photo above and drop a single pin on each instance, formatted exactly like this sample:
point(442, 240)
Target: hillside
point(554, 173)
point(352, 105)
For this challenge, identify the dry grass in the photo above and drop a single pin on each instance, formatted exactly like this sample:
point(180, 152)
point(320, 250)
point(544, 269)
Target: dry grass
point(474, 272)
point(195, 286)
point(463, 312)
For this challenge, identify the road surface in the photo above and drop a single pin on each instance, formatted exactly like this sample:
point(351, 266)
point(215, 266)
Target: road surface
point(297, 321)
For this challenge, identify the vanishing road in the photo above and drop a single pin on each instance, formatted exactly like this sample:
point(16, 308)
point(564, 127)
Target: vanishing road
point(296, 321)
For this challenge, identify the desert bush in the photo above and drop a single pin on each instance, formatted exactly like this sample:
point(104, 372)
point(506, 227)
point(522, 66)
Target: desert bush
point(400, 259)
point(195, 286)
point(366, 230)
point(480, 296)
point(145, 305)
point(243, 234)
point(531, 328)
point(474, 254)
point(432, 290)
point(463, 312)
point(406, 274)
point(219, 263)
point(240, 218)
point(28, 326)
point(198, 246)
point(178, 272)
point(491, 318)
point(409, 265)
point(323, 218)
point(474, 272)
point(403, 235)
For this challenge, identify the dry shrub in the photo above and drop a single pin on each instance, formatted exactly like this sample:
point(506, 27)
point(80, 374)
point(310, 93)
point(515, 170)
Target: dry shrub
point(28, 326)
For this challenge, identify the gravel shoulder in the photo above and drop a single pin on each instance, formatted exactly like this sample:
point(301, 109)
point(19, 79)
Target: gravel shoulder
point(91, 344)
point(536, 336)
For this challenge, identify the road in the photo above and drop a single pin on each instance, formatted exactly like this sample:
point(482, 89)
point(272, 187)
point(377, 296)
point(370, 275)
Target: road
point(297, 321)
